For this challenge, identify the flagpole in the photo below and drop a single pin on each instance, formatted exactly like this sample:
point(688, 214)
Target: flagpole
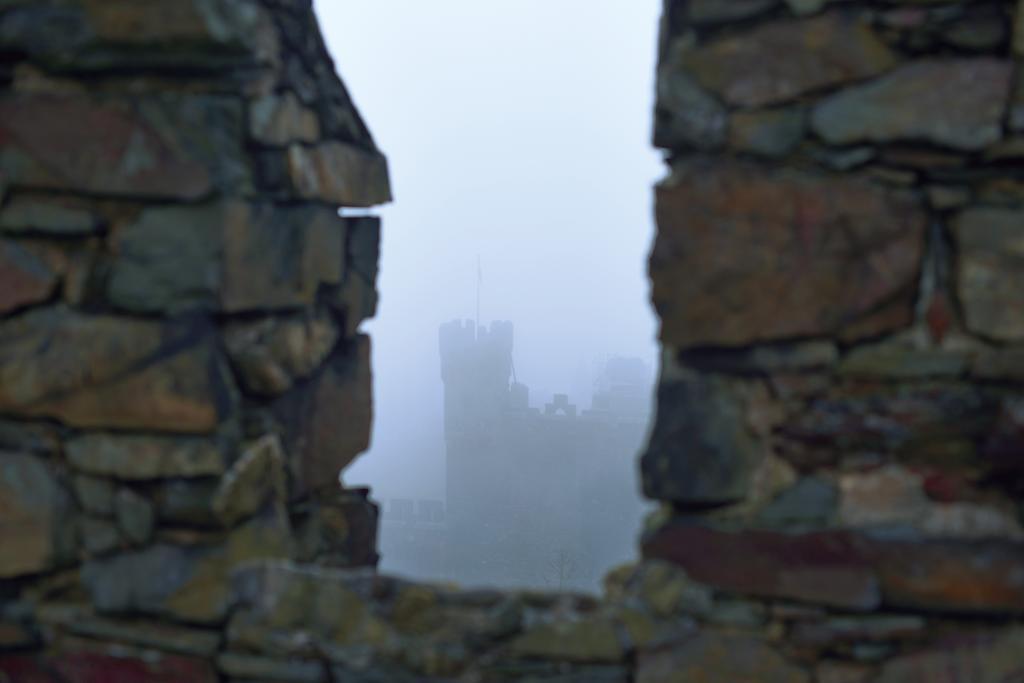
point(479, 278)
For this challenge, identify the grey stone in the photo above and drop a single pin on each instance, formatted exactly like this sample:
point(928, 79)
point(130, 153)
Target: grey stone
point(50, 216)
point(738, 613)
point(35, 530)
point(168, 260)
point(844, 160)
point(770, 133)
point(99, 536)
point(981, 33)
point(686, 115)
point(957, 103)
point(716, 11)
point(24, 436)
point(801, 7)
point(281, 119)
point(226, 256)
point(701, 449)
point(812, 501)
point(135, 516)
point(117, 35)
point(187, 502)
point(1016, 118)
point(141, 458)
point(95, 495)
point(999, 364)
point(989, 280)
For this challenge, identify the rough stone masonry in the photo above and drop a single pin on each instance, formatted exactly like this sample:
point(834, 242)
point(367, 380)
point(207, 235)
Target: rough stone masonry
point(839, 441)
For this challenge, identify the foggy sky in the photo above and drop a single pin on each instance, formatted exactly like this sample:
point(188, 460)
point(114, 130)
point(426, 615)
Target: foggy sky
point(517, 131)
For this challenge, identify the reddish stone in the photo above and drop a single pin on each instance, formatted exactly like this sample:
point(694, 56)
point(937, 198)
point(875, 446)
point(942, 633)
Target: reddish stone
point(939, 317)
point(951, 576)
point(944, 487)
point(746, 254)
point(845, 569)
point(827, 567)
point(25, 669)
point(89, 667)
point(25, 279)
point(110, 147)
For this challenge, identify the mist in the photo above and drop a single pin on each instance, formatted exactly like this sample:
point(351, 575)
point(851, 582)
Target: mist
point(518, 140)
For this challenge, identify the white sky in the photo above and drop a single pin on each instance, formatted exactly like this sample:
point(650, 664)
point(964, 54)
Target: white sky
point(517, 131)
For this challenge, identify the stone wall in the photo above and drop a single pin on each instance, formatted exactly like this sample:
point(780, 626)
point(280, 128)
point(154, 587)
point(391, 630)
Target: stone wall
point(181, 375)
point(840, 429)
point(838, 271)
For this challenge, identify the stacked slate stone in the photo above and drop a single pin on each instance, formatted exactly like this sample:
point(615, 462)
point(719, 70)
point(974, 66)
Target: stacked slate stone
point(181, 376)
point(839, 273)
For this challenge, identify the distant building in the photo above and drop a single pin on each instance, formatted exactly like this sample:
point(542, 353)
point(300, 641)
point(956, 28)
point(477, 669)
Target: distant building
point(536, 497)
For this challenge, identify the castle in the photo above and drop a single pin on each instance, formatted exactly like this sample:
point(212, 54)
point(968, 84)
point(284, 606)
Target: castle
point(536, 497)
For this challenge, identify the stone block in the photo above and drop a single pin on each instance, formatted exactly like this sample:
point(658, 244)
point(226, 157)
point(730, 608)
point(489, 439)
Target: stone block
point(142, 458)
point(135, 515)
point(163, 147)
point(257, 478)
point(112, 372)
point(716, 11)
point(270, 355)
point(989, 658)
point(686, 116)
point(226, 256)
point(796, 254)
point(827, 568)
point(338, 530)
point(339, 173)
point(712, 656)
point(247, 666)
point(281, 119)
point(778, 61)
point(122, 35)
point(934, 425)
point(35, 514)
point(957, 103)
point(701, 449)
point(990, 244)
point(327, 419)
point(767, 133)
point(188, 583)
point(100, 667)
point(25, 278)
point(850, 570)
point(98, 536)
point(590, 639)
point(95, 495)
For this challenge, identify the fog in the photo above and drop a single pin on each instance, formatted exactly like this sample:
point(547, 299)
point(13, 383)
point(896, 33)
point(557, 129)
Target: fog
point(518, 138)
